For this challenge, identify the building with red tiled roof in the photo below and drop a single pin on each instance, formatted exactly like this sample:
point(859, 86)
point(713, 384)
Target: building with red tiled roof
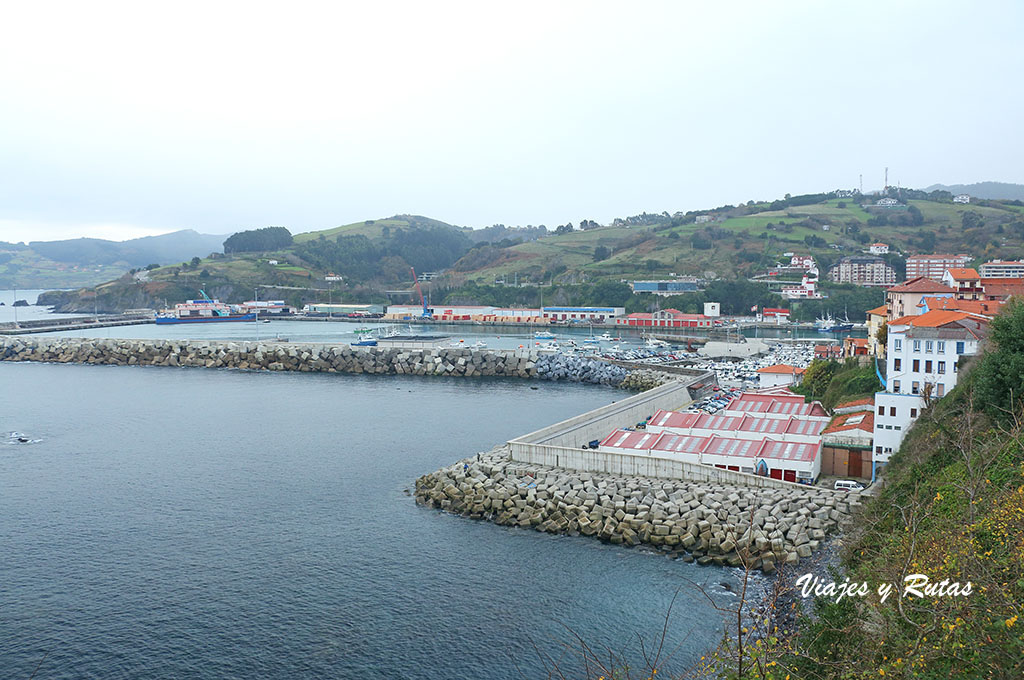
point(846, 445)
point(779, 375)
point(988, 308)
point(854, 347)
point(965, 281)
point(828, 351)
point(922, 364)
point(903, 299)
point(875, 318)
point(1002, 289)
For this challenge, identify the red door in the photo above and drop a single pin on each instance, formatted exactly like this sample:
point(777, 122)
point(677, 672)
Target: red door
point(734, 468)
point(789, 475)
point(775, 473)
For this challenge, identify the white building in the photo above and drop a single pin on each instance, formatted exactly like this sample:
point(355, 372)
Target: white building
point(864, 270)
point(922, 365)
point(934, 266)
point(1001, 269)
point(878, 248)
point(802, 261)
point(779, 375)
point(887, 203)
point(962, 198)
point(712, 309)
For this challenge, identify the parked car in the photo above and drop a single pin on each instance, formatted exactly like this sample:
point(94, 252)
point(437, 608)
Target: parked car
point(847, 485)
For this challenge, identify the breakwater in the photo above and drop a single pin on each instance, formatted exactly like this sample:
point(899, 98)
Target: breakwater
point(763, 528)
point(326, 358)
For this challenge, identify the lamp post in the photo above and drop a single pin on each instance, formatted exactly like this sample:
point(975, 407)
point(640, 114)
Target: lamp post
point(256, 299)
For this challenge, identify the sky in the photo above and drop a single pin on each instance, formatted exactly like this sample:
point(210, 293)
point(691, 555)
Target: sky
point(120, 120)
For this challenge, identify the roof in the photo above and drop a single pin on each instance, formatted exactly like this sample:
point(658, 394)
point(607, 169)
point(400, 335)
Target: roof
point(982, 307)
point(920, 284)
point(628, 439)
point(857, 342)
point(936, 319)
point(938, 256)
point(879, 311)
point(858, 420)
point(1002, 288)
point(774, 310)
point(880, 244)
point(866, 401)
point(775, 404)
point(963, 273)
point(781, 369)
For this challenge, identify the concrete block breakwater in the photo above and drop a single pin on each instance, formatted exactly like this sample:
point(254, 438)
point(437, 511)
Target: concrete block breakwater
point(712, 524)
point(326, 358)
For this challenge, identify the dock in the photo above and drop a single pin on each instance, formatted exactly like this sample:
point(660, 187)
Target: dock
point(72, 324)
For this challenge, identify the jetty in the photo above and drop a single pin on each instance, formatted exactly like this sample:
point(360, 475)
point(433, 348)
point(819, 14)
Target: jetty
point(77, 323)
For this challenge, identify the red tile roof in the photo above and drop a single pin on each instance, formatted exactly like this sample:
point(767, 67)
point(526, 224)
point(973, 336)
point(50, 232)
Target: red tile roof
point(858, 420)
point(921, 284)
point(879, 311)
point(983, 307)
point(781, 369)
point(963, 274)
point(1002, 288)
point(936, 319)
point(866, 401)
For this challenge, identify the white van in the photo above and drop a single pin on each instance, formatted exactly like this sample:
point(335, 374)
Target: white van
point(847, 485)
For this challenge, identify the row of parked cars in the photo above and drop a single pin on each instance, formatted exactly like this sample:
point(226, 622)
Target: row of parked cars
point(714, 403)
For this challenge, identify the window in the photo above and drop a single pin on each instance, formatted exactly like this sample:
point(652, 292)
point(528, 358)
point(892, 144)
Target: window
point(898, 427)
point(897, 345)
point(897, 364)
point(892, 411)
point(895, 385)
point(940, 390)
point(928, 345)
point(879, 426)
point(915, 388)
point(928, 366)
point(881, 410)
point(913, 413)
point(917, 365)
point(940, 346)
point(878, 449)
point(917, 345)
point(960, 347)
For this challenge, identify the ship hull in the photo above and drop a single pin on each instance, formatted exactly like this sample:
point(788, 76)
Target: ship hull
point(206, 319)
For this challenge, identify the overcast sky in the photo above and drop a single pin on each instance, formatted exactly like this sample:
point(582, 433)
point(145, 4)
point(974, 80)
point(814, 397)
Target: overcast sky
point(127, 119)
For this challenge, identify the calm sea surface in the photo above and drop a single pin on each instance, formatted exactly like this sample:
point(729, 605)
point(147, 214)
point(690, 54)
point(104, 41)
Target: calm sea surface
point(177, 523)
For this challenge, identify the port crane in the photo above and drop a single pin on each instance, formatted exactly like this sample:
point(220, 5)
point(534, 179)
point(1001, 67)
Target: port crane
point(216, 311)
point(426, 312)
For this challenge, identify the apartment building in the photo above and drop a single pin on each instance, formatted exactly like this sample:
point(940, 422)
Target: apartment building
point(1002, 269)
point(863, 271)
point(934, 266)
point(922, 365)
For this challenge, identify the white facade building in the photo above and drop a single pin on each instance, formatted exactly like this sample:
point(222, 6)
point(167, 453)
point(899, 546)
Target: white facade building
point(962, 198)
point(1000, 269)
point(878, 248)
point(921, 366)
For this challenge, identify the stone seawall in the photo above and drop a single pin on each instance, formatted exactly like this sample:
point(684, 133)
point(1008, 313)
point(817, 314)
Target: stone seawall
point(712, 524)
point(325, 358)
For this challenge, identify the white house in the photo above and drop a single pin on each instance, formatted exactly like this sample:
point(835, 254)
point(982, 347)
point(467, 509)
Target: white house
point(779, 375)
point(962, 198)
point(878, 248)
point(922, 364)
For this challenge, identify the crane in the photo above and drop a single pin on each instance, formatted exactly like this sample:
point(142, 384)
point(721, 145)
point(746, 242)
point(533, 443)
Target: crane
point(426, 312)
point(213, 304)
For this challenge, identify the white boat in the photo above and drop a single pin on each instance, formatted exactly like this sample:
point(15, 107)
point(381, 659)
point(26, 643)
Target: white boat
point(479, 344)
point(543, 335)
point(606, 337)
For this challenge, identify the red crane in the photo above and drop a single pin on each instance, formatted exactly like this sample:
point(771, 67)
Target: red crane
point(415, 280)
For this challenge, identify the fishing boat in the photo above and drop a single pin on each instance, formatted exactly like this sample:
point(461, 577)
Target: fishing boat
point(205, 310)
point(543, 335)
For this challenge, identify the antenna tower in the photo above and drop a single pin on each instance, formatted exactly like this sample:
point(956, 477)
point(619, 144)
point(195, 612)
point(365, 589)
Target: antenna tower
point(862, 184)
point(887, 179)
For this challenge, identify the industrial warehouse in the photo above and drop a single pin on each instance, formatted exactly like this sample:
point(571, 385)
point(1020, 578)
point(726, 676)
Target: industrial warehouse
point(773, 434)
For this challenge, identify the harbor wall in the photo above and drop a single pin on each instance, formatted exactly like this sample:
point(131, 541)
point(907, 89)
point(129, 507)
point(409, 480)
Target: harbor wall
point(706, 521)
point(324, 358)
